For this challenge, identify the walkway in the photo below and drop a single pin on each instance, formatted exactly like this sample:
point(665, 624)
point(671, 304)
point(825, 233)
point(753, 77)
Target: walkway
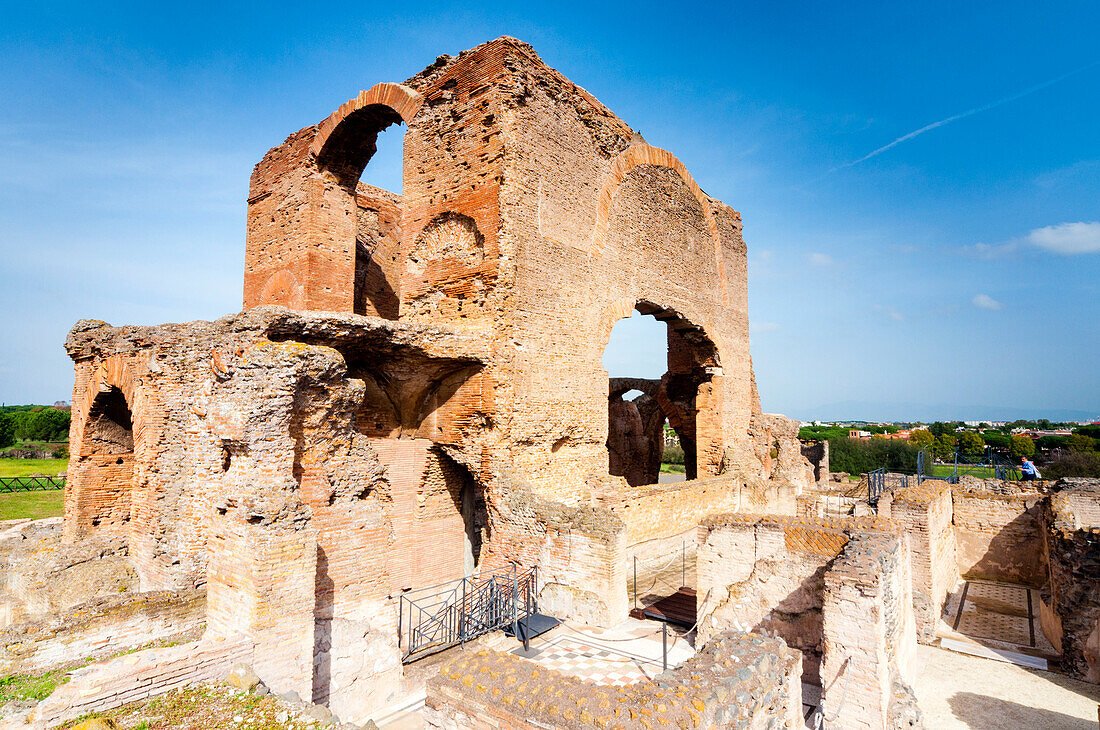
point(962, 691)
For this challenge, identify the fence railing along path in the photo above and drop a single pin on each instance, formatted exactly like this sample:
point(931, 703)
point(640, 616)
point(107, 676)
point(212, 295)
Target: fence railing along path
point(437, 617)
point(30, 484)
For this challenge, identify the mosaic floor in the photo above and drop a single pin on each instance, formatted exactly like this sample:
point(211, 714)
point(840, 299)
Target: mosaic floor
point(628, 653)
point(998, 614)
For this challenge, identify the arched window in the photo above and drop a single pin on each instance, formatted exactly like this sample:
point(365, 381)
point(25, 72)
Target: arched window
point(655, 364)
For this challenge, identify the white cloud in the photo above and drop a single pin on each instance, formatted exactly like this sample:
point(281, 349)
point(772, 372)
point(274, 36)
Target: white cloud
point(1067, 239)
point(763, 326)
point(984, 301)
point(890, 312)
point(820, 259)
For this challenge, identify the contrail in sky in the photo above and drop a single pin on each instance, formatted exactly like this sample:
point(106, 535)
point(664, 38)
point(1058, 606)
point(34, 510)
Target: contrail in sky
point(968, 113)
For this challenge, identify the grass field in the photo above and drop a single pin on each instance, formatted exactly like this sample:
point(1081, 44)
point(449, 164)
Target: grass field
point(26, 467)
point(33, 505)
point(672, 469)
point(981, 472)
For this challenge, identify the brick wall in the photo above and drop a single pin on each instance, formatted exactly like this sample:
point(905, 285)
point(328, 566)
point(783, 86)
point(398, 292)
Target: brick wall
point(751, 682)
point(100, 628)
point(869, 633)
point(999, 536)
point(765, 573)
point(837, 589)
point(580, 553)
point(136, 677)
point(261, 585)
point(925, 514)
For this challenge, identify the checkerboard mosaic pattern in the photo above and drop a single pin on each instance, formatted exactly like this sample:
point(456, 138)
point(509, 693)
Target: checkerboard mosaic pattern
point(591, 661)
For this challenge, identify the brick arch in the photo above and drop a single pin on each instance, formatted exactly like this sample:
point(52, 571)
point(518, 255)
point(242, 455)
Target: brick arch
point(113, 372)
point(101, 483)
point(644, 154)
point(696, 334)
point(401, 99)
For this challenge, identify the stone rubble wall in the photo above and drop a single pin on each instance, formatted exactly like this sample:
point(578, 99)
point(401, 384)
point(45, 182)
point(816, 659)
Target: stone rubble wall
point(99, 628)
point(1071, 611)
point(745, 681)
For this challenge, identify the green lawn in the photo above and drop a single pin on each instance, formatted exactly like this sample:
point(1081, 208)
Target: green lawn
point(981, 472)
point(35, 505)
point(672, 469)
point(26, 467)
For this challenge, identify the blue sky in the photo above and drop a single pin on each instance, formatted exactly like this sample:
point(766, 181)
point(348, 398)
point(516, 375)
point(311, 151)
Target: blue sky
point(957, 270)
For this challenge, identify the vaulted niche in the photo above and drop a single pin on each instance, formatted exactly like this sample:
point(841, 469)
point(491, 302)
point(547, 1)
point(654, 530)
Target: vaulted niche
point(652, 416)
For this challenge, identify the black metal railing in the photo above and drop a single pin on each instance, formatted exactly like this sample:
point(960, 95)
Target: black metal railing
point(438, 617)
point(30, 484)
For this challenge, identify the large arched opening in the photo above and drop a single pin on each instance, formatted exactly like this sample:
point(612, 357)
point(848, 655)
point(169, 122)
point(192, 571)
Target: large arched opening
point(365, 154)
point(653, 416)
point(105, 467)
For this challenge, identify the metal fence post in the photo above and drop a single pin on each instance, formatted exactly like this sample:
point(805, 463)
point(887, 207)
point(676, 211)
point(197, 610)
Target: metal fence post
point(664, 646)
point(683, 563)
point(635, 581)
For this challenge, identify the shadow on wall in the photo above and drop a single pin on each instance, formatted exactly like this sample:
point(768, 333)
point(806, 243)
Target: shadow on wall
point(981, 712)
point(1015, 554)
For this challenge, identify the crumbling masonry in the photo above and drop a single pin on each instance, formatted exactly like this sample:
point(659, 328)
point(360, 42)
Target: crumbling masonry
point(414, 389)
point(413, 393)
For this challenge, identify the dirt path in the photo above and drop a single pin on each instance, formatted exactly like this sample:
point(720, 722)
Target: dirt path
point(960, 691)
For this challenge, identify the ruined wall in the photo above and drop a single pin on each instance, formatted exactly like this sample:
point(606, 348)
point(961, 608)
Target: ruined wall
point(837, 589)
point(752, 683)
point(1072, 614)
point(869, 630)
point(133, 678)
point(519, 190)
point(580, 553)
point(924, 512)
point(101, 628)
point(999, 536)
point(377, 252)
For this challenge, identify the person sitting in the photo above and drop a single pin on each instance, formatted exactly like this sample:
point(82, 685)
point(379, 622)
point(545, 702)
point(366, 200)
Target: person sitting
point(1028, 472)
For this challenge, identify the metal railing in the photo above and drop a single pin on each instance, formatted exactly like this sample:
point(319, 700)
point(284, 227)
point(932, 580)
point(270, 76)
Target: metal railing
point(30, 484)
point(438, 617)
point(984, 465)
point(881, 481)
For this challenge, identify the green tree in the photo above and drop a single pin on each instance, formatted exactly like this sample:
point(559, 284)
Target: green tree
point(7, 431)
point(1073, 464)
point(922, 438)
point(945, 446)
point(1080, 442)
point(939, 429)
point(1021, 446)
point(971, 443)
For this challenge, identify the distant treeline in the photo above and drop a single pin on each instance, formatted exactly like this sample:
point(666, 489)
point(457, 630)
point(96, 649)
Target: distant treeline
point(859, 456)
point(1075, 455)
point(32, 423)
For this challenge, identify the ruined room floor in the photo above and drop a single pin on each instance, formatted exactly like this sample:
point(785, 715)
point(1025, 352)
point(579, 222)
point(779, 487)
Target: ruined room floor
point(962, 691)
point(627, 653)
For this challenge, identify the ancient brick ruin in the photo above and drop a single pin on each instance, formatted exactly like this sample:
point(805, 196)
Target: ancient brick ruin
point(414, 392)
